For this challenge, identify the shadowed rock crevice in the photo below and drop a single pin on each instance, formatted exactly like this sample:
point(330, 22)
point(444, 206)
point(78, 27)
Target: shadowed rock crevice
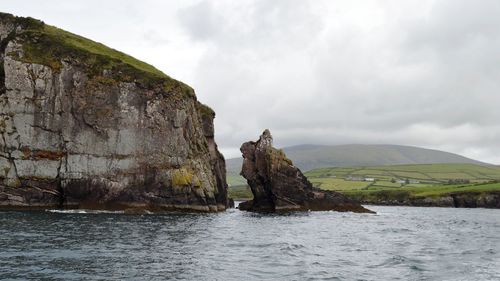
point(8, 33)
point(279, 186)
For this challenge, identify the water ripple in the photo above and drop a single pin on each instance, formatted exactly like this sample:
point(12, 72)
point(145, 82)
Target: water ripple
point(399, 243)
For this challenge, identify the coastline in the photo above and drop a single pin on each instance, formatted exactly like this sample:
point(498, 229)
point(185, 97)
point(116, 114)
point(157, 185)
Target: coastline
point(489, 200)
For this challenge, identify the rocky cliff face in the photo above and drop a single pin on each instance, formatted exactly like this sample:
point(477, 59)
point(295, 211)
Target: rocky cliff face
point(277, 185)
point(85, 126)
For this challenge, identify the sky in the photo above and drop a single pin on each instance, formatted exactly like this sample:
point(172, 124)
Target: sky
point(422, 73)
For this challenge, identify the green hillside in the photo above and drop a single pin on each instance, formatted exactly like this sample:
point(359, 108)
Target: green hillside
point(308, 157)
point(363, 183)
point(393, 176)
point(408, 183)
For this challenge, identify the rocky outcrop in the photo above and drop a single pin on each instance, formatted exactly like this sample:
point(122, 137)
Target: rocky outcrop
point(85, 126)
point(486, 199)
point(279, 186)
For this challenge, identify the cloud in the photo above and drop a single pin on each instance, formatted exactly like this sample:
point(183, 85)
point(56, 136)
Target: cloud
point(422, 73)
point(425, 74)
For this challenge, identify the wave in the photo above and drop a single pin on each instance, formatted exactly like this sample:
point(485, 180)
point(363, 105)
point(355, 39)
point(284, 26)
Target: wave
point(83, 211)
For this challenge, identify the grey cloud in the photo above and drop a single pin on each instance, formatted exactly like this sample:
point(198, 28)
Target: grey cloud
point(201, 20)
point(418, 72)
point(394, 83)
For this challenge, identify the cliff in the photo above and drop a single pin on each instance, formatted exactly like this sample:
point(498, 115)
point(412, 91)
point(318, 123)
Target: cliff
point(86, 126)
point(278, 186)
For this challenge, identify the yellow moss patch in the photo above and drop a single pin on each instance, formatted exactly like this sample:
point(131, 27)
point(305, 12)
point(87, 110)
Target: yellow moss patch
point(2, 125)
point(102, 80)
point(15, 182)
point(276, 157)
point(182, 177)
point(205, 110)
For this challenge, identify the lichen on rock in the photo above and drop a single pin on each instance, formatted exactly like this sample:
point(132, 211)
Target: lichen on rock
point(278, 186)
point(86, 126)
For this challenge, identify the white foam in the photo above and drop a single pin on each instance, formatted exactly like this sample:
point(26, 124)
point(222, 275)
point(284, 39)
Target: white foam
point(83, 211)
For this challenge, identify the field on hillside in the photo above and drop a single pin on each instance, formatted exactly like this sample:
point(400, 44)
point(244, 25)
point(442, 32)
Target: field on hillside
point(410, 194)
point(411, 180)
point(421, 175)
point(235, 180)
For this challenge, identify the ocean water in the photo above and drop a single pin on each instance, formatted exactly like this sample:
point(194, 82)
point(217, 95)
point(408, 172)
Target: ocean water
point(398, 243)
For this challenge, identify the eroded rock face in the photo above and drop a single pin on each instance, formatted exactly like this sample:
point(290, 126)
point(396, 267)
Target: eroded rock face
point(277, 185)
point(82, 135)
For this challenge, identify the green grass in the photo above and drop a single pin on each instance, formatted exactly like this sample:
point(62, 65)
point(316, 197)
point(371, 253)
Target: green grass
point(419, 185)
point(337, 184)
point(425, 173)
point(235, 180)
point(241, 192)
point(386, 184)
point(90, 46)
point(439, 190)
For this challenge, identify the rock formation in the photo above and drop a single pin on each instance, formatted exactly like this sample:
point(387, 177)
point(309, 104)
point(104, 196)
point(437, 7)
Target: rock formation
point(277, 185)
point(85, 126)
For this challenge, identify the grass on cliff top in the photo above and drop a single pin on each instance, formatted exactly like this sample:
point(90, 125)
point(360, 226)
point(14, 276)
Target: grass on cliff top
point(90, 46)
point(48, 45)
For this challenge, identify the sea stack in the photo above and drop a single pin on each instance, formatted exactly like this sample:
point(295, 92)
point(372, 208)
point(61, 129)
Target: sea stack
point(278, 186)
point(85, 126)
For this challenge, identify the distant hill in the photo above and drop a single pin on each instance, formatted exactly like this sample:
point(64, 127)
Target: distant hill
point(398, 175)
point(308, 157)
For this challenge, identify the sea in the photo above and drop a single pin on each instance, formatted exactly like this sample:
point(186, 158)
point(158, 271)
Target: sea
point(396, 243)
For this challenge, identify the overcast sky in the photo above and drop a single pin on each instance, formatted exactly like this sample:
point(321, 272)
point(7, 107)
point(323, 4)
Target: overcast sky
point(422, 73)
